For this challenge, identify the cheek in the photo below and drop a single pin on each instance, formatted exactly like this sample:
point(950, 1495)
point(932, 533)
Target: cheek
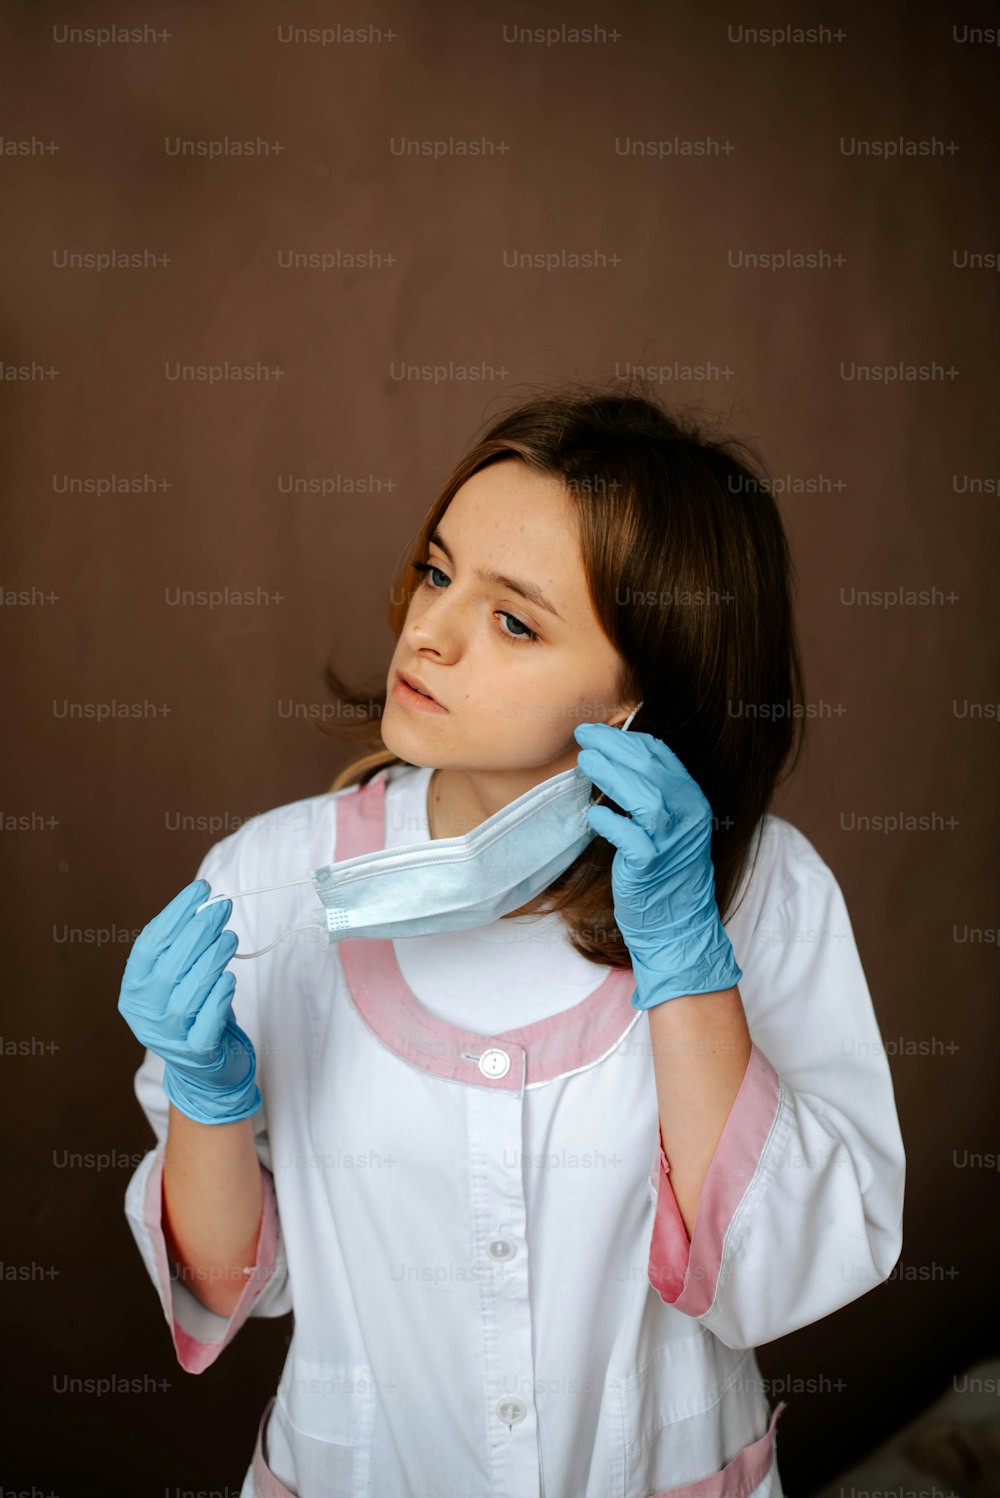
point(537, 715)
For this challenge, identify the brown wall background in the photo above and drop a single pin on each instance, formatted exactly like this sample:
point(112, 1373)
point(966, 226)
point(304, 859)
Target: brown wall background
point(906, 475)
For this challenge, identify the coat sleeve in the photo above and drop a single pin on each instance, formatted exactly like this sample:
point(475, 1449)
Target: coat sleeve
point(801, 1208)
point(199, 1335)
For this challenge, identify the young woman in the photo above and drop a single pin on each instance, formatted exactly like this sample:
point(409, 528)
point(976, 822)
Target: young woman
point(535, 1188)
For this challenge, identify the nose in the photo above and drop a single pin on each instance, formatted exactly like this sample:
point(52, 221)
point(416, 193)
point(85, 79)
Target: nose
point(438, 624)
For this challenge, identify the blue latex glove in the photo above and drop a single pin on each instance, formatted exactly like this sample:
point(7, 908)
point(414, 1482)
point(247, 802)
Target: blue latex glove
point(662, 875)
point(176, 997)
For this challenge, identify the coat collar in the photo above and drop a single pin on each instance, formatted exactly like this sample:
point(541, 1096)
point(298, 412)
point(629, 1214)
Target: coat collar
point(529, 1056)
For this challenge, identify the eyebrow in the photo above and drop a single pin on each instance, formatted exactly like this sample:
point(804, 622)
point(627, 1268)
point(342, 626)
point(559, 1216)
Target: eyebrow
point(516, 585)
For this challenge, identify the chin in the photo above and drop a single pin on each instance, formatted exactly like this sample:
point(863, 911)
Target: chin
point(396, 744)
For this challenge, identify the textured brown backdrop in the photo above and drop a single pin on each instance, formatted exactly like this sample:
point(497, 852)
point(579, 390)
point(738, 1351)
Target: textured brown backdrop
point(886, 486)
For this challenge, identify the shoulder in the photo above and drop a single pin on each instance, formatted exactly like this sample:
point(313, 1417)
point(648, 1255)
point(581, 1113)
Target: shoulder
point(783, 868)
point(289, 841)
point(270, 858)
point(273, 845)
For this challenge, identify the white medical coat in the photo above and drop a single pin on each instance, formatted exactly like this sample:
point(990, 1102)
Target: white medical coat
point(493, 1288)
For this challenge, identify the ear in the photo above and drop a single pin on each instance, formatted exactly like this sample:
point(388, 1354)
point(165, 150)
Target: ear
point(624, 715)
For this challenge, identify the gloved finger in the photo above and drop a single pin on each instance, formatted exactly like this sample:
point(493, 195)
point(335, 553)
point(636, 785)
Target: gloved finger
point(155, 938)
point(635, 749)
point(682, 791)
point(195, 939)
point(634, 743)
point(205, 1035)
point(190, 992)
point(635, 846)
point(629, 748)
point(634, 791)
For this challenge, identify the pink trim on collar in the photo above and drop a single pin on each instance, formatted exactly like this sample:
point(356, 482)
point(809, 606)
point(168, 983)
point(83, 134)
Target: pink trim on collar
point(524, 1057)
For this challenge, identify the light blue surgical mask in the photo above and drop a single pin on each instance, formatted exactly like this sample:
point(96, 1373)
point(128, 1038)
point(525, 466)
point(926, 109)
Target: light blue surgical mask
point(453, 883)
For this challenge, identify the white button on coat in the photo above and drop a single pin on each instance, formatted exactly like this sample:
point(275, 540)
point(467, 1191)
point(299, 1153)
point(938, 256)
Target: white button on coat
point(494, 1063)
point(511, 1411)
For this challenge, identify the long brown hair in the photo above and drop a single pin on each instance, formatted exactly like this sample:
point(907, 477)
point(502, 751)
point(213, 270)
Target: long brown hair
point(690, 576)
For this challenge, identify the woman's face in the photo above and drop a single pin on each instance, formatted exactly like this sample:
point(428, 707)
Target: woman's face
point(511, 702)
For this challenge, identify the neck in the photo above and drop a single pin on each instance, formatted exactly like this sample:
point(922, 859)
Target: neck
point(444, 816)
point(458, 803)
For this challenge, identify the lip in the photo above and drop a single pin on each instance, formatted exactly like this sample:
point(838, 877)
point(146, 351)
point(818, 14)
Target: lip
point(408, 690)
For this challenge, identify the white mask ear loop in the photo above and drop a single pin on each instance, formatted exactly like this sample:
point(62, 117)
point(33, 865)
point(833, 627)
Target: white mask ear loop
point(261, 950)
point(625, 728)
point(264, 890)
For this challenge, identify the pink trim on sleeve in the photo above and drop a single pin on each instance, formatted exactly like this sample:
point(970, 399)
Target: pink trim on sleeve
point(685, 1273)
point(670, 1246)
point(193, 1354)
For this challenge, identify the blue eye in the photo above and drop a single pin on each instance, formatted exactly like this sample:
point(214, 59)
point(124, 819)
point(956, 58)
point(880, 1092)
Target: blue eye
point(529, 637)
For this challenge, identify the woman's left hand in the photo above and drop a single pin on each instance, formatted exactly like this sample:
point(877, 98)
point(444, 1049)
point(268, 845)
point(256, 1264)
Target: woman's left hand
point(662, 875)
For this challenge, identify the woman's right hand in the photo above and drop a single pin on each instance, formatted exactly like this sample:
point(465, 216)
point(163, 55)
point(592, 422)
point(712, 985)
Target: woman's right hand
point(177, 999)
